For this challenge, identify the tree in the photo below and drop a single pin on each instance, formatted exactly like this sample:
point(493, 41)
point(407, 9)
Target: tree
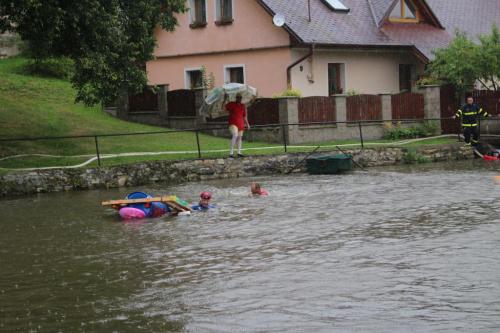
point(489, 60)
point(463, 63)
point(110, 41)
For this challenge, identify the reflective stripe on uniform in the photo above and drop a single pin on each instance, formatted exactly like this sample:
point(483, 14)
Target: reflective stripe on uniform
point(469, 125)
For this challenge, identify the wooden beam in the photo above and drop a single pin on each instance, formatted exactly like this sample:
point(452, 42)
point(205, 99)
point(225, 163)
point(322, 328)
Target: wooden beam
point(170, 200)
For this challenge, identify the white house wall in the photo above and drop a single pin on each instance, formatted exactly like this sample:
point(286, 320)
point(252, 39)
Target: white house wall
point(365, 71)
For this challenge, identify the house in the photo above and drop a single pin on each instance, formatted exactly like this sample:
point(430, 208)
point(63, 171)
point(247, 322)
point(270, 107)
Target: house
point(322, 47)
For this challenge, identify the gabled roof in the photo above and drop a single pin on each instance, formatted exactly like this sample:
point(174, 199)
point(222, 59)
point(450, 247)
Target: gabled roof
point(366, 24)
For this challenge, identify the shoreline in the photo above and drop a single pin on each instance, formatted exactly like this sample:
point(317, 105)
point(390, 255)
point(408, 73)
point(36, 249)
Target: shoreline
point(25, 183)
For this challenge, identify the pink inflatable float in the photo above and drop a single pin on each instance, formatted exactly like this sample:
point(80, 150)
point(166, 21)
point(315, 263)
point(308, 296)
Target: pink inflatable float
point(130, 213)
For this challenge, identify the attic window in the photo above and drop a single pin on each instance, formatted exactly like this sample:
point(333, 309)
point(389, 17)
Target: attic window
point(336, 5)
point(405, 11)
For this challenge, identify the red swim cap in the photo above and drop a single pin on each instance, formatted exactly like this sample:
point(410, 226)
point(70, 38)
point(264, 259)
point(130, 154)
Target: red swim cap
point(206, 195)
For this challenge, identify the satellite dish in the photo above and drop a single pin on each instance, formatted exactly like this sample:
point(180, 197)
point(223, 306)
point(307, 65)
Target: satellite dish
point(279, 20)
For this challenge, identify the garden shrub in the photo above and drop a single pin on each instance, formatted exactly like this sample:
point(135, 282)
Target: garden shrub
point(426, 129)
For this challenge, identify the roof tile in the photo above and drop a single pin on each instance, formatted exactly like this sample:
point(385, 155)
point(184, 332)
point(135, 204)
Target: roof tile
point(359, 27)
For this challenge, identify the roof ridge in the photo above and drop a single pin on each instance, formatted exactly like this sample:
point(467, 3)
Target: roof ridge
point(388, 11)
point(373, 13)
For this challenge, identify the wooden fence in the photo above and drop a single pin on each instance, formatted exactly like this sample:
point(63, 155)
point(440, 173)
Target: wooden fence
point(264, 111)
point(181, 103)
point(317, 109)
point(146, 101)
point(489, 100)
point(364, 107)
point(407, 106)
point(450, 103)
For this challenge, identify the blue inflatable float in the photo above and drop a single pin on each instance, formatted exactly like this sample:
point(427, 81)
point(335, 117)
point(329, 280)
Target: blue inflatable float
point(142, 210)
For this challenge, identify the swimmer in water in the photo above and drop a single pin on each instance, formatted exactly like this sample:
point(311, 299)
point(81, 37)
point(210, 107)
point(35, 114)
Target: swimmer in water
point(257, 190)
point(204, 203)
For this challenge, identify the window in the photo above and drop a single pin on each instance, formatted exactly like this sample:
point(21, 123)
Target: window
point(336, 5)
point(405, 11)
point(405, 72)
point(194, 79)
point(335, 79)
point(234, 73)
point(223, 12)
point(198, 10)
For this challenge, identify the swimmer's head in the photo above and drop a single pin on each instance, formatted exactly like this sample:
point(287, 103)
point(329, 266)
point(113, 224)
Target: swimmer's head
point(255, 188)
point(206, 195)
point(205, 198)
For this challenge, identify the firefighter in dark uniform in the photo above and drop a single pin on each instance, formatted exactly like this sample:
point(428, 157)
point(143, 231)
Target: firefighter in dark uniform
point(470, 113)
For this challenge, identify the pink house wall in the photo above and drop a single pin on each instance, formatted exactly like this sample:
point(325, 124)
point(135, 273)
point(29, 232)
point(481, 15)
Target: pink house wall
point(252, 28)
point(251, 40)
point(263, 69)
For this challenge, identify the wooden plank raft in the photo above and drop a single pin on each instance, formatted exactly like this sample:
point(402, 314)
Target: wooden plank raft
point(170, 200)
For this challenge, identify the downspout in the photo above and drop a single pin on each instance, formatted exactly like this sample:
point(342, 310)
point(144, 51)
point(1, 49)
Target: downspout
point(289, 68)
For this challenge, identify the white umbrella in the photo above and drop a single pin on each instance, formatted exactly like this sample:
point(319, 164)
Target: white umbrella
point(215, 99)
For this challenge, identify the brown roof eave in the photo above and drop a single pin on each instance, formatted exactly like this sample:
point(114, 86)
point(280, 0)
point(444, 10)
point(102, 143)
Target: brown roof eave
point(433, 16)
point(286, 27)
point(420, 56)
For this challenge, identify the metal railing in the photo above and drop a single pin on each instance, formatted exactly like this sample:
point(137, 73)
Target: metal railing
point(196, 131)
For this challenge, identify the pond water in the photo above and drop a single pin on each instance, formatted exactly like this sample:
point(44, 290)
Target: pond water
point(402, 249)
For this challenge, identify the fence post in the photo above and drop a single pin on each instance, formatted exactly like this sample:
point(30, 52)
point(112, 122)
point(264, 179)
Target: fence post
point(198, 143)
point(163, 103)
point(284, 137)
point(361, 135)
point(97, 151)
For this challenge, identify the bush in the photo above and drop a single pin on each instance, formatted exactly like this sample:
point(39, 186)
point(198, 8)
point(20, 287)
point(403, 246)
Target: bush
point(428, 128)
point(429, 80)
point(60, 68)
point(289, 93)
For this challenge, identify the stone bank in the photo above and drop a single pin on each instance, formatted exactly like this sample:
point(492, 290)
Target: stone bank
point(171, 172)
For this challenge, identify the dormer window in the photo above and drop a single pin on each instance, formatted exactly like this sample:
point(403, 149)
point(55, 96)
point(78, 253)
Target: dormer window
point(405, 11)
point(223, 12)
point(198, 10)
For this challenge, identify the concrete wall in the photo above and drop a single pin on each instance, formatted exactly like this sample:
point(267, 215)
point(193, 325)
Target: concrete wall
point(9, 45)
point(365, 71)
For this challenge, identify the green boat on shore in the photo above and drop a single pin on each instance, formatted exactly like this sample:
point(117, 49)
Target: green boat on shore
point(329, 164)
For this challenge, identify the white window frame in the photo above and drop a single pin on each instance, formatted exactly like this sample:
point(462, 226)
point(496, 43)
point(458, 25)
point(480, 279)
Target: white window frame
point(216, 10)
point(187, 77)
point(192, 14)
point(226, 72)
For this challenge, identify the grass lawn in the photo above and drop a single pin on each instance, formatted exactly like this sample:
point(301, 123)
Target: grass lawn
point(32, 106)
